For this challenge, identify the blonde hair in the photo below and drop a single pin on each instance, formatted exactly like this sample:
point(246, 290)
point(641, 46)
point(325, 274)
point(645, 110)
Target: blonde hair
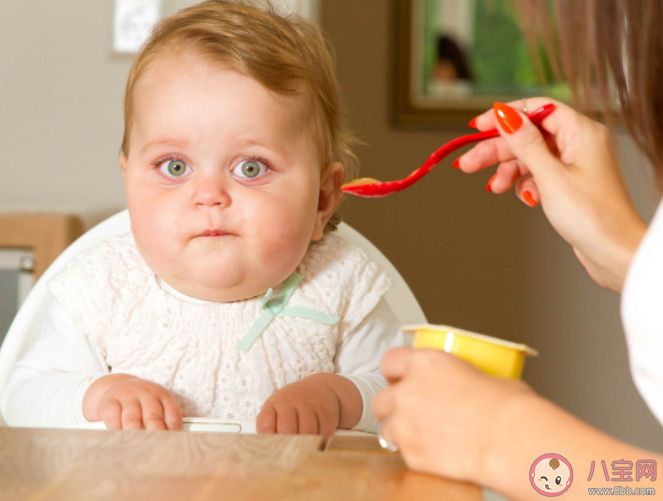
point(286, 54)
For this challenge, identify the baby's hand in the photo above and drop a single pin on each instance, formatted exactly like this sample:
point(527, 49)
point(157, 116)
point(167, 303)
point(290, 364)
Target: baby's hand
point(126, 402)
point(307, 407)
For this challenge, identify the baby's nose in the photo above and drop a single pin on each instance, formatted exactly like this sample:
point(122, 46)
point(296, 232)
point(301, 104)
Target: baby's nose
point(212, 192)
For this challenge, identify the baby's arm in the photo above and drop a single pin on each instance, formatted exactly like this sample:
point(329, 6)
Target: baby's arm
point(316, 405)
point(47, 385)
point(323, 402)
point(358, 357)
point(125, 402)
point(63, 381)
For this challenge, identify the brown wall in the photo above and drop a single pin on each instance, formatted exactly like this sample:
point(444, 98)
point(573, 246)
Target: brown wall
point(476, 260)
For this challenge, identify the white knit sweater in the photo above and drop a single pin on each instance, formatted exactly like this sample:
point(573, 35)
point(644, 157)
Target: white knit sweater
point(190, 349)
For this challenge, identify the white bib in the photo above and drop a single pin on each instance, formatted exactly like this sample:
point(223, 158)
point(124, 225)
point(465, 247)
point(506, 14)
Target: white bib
point(190, 349)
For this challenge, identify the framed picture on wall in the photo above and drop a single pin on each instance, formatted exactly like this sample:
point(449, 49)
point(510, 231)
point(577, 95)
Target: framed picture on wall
point(455, 58)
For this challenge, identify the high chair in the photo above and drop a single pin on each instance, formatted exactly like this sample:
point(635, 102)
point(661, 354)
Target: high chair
point(24, 330)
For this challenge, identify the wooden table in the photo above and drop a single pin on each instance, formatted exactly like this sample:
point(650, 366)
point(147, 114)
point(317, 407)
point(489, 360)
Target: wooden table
point(75, 465)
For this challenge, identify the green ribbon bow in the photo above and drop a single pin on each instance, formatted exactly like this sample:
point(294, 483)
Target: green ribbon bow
point(278, 307)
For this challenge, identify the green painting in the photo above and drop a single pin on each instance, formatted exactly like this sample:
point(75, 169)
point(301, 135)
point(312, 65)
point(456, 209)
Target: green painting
point(474, 49)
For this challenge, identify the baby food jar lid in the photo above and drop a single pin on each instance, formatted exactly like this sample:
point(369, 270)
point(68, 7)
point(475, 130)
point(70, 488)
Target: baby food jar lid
point(411, 329)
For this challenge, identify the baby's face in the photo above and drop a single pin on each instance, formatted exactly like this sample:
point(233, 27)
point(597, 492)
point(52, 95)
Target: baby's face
point(549, 480)
point(223, 180)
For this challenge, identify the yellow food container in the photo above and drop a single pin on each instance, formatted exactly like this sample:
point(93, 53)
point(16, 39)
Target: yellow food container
point(492, 355)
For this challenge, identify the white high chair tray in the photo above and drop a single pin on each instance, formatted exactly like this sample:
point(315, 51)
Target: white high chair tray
point(216, 425)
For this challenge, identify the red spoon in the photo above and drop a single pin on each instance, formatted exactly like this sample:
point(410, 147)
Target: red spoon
point(367, 187)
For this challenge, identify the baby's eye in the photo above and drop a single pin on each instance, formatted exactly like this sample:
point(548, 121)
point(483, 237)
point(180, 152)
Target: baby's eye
point(173, 168)
point(558, 480)
point(249, 169)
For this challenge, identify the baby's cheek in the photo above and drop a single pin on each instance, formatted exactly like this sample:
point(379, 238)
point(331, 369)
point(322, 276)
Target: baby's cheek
point(158, 231)
point(285, 248)
point(283, 229)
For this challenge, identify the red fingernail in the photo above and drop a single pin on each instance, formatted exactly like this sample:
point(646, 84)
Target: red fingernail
point(489, 186)
point(456, 164)
point(529, 199)
point(508, 118)
point(473, 123)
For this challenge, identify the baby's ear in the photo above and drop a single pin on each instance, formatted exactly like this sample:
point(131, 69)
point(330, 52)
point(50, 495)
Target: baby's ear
point(330, 196)
point(123, 165)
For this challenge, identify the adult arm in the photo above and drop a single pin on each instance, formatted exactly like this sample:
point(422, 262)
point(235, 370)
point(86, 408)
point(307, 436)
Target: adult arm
point(571, 169)
point(450, 419)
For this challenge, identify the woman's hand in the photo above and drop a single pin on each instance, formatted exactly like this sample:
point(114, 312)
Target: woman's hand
point(442, 412)
point(448, 418)
point(573, 172)
point(126, 402)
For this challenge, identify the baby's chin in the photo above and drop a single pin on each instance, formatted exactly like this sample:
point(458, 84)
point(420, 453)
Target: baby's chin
point(219, 283)
point(217, 272)
point(220, 294)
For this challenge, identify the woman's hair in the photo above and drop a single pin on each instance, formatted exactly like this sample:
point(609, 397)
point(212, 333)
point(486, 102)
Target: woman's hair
point(286, 54)
point(613, 47)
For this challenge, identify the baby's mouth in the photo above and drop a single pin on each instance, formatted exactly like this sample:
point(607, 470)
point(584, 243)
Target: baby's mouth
point(214, 234)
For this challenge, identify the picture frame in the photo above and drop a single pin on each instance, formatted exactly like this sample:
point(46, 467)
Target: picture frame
point(455, 58)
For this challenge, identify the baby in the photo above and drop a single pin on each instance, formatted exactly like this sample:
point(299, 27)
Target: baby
point(231, 297)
